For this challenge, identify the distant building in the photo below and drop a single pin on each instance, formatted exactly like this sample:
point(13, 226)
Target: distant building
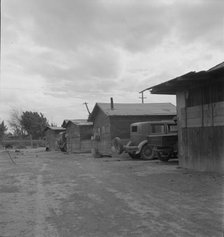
point(113, 120)
point(51, 135)
point(78, 135)
point(200, 114)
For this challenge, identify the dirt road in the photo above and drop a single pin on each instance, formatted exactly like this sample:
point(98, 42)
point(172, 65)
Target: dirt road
point(54, 194)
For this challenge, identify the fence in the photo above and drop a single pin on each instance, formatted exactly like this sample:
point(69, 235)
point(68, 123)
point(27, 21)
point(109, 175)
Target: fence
point(23, 143)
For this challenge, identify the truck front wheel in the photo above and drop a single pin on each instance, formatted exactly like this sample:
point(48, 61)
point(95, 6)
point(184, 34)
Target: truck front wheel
point(147, 152)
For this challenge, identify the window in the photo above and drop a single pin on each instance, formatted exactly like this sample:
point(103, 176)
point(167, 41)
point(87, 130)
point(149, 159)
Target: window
point(134, 128)
point(158, 128)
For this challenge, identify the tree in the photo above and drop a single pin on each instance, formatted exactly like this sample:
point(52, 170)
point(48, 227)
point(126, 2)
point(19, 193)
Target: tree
point(15, 123)
point(33, 123)
point(3, 129)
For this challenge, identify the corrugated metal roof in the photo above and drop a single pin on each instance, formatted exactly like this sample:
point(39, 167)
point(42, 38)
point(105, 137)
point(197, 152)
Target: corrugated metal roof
point(190, 80)
point(220, 65)
point(78, 122)
point(55, 128)
point(75, 121)
point(138, 109)
point(81, 122)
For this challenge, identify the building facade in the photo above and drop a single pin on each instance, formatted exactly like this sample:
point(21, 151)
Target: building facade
point(200, 114)
point(78, 136)
point(51, 137)
point(114, 120)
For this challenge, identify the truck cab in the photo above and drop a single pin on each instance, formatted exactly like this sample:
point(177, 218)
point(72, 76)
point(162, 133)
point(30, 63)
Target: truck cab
point(162, 139)
point(139, 132)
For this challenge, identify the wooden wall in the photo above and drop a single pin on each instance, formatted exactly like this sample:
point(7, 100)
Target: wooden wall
point(73, 137)
point(51, 140)
point(101, 128)
point(86, 132)
point(201, 129)
point(203, 148)
point(78, 138)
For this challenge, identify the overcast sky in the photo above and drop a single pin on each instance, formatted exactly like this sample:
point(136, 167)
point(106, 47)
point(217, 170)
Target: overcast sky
point(58, 54)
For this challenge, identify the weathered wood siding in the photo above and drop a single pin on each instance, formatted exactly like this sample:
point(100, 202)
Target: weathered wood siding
point(201, 128)
point(203, 148)
point(78, 138)
point(101, 129)
point(86, 132)
point(73, 137)
point(51, 140)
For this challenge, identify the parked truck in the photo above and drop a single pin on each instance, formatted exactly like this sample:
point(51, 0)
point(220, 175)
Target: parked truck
point(149, 140)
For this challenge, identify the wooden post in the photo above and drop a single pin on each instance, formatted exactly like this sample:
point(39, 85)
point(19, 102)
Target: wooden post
point(31, 141)
point(86, 104)
point(142, 96)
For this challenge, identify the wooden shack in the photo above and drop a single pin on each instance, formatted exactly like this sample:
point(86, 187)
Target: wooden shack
point(78, 135)
point(112, 120)
point(200, 113)
point(51, 136)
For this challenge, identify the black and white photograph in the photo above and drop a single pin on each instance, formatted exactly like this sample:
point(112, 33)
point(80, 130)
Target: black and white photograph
point(112, 118)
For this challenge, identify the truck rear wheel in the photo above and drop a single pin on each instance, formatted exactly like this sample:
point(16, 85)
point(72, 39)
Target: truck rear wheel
point(147, 152)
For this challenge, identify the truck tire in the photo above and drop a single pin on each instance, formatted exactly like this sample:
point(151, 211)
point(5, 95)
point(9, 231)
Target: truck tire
point(147, 152)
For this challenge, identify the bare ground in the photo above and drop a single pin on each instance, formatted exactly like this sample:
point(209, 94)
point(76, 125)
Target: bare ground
point(55, 194)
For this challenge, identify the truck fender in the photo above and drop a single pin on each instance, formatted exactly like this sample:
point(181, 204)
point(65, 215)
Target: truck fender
point(140, 145)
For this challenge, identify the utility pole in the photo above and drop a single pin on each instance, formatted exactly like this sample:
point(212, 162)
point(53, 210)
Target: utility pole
point(86, 104)
point(142, 96)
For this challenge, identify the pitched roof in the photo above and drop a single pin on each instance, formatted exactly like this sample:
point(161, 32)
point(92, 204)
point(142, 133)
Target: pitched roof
point(75, 121)
point(219, 66)
point(80, 122)
point(54, 128)
point(190, 80)
point(134, 109)
point(65, 123)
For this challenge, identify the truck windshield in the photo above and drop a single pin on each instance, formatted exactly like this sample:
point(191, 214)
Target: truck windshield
point(158, 128)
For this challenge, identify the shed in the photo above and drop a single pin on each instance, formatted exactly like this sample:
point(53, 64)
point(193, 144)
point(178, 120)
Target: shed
point(200, 114)
point(51, 135)
point(113, 120)
point(78, 135)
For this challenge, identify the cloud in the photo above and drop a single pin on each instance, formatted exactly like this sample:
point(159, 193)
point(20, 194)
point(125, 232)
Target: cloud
point(200, 20)
point(69, 24)
point(66, 52)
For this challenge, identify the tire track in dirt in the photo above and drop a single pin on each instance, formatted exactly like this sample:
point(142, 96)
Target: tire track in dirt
point(42, 228)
